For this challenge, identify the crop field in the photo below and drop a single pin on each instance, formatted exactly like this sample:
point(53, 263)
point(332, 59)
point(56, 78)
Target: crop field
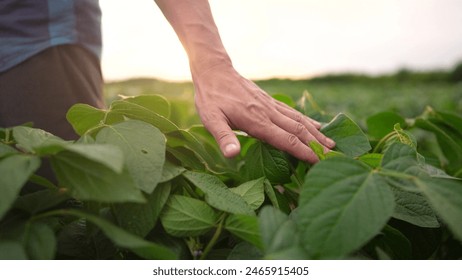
point(147, 181)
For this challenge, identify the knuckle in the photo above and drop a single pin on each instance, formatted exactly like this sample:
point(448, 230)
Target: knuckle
point(299, 128)
point(292, 139)
point(298, 117)
point(222, 134)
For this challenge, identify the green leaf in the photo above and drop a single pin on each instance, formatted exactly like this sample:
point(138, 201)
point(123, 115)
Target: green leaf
point(93, 181)
point(284, 98)
point(152, 102)
point(145, 109)
point(379, 125)
point(188, 149)
point(143, 147)
point(15, 170)
point(280, 235)
point(445, 196)
point(109, 155)
point(121, 238)
point(245, 251)
point(44, 143)
point(170, 171)
point(318, 150)
point(84, 117)
point(34, 139)
point(217, 194)
point(270, 193)
point(252, 192)
point(413, 208)
point(403, 158)
point(373, 160)
point(10, 250)
point(348, 136)
point(39, 241)
point(140, 218)
point(6, 150)
point(262, 160)
point(343, 204)
point(394, 244)
point(219, 163)
point(245, 227)
point(39, 201)
point(184, 216)
point(449, 140)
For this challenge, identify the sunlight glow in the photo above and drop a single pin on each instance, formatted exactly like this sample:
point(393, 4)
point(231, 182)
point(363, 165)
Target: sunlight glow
point(291, 38)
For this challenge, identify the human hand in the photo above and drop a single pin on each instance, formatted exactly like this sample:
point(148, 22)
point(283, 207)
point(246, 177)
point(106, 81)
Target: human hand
point(225, 101)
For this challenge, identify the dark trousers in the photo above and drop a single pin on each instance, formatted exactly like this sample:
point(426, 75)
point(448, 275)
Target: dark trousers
point(43, 88)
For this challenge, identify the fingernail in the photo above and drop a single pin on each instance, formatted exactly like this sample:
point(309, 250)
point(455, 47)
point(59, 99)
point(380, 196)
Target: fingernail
point(231, 149)
point(330, 142)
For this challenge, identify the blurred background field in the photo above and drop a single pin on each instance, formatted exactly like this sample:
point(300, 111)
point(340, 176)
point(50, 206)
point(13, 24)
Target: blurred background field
point(360, 96)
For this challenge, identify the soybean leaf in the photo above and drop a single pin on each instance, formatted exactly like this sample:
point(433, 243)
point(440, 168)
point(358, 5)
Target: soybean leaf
point(145, 109)
point(414, 208)
point(153, 102)
point(44, 143)
point(403, 158)
point(318, 150)
point(280, 235)
point(252, 192)
point(379, 125)
point(245, 251)
point(109, 155)
point(219, 163)
point(124, 239)
point(373, 159)
point(245, 227)
point(39, 241)
point(217, 194)
point(15, 170)
point(143, 147)
point(187, 158)
point(445, 196)
point(262, 160)
point(184, 216)
point(6, 150)
point(84, 117)
point(348, 136)
point(93, 181)
point(12, 250)
point(270, 193)
point(140, 218)
point(393, 244)
point(186, 147)
point(284, 98)
point(34, 139)
point(170, 171)
point(449, 140)
point(343, 204)
point(41, 200)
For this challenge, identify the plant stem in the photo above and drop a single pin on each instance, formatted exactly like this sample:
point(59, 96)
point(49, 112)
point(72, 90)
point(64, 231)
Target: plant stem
point(382, 141)
point(215, 237)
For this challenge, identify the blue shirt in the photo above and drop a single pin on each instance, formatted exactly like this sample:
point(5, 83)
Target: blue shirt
point(28, 27)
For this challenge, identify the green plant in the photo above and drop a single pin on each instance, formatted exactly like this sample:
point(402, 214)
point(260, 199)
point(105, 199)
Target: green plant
point(137, 186)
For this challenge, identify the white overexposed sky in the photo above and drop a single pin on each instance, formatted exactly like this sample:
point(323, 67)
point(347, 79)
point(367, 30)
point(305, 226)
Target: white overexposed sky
point(289, 38)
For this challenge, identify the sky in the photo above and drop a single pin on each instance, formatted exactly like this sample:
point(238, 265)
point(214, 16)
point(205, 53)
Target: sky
point(289, 38)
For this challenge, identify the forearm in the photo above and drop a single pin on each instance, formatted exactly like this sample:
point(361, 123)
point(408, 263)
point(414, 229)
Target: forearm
point(193, 22)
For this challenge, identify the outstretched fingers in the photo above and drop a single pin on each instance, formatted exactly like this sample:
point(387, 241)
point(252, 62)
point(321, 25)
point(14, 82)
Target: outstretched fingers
point(290, 118)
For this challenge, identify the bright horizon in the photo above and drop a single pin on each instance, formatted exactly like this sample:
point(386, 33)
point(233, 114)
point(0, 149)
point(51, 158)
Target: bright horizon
point(289, 39)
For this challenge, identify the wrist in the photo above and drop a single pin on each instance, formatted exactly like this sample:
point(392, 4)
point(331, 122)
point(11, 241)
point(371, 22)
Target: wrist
point(201, 65)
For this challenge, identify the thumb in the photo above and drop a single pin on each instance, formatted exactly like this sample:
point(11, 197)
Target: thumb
point(225, 137)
